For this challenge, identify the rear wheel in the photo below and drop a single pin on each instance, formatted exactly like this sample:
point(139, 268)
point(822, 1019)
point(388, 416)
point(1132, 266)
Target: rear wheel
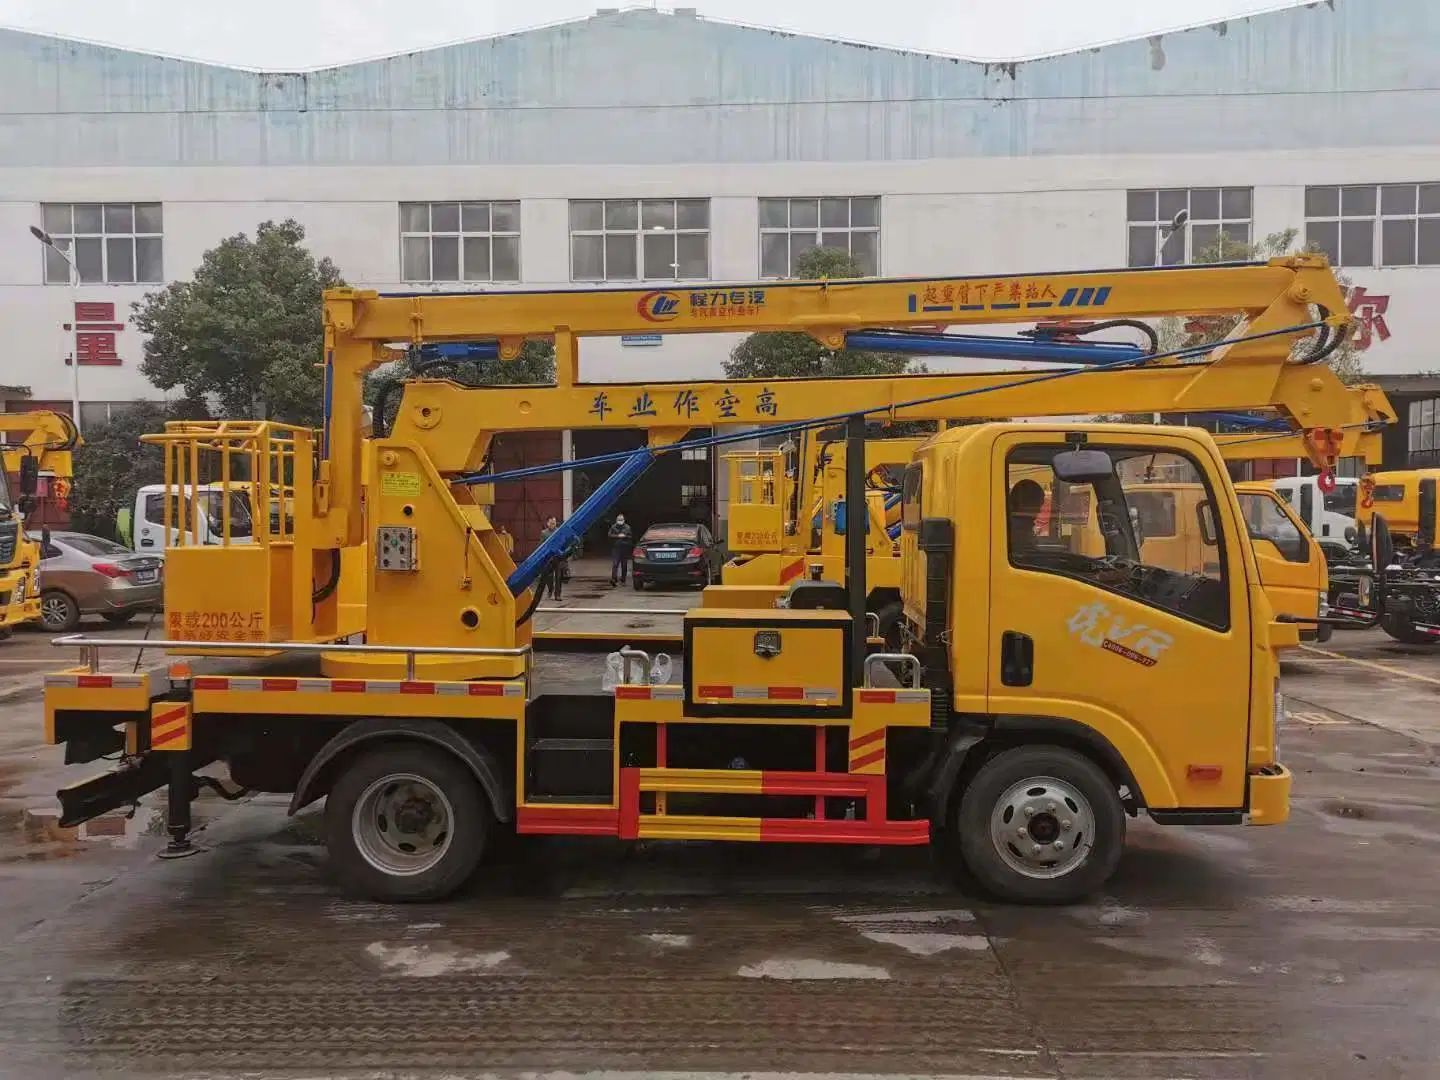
point(407, 823)
point(59, 613)
point(1040, 825)
point(639, 585)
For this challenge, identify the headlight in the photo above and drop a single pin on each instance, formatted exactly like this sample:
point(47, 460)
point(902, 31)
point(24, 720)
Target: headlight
point(20, 589)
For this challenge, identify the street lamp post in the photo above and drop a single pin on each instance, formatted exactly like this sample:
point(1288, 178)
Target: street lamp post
point(49, 241)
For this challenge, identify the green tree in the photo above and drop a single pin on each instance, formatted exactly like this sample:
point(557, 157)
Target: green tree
point(534, 366)
point(113, 464)
point(799, 356)
point(246, 332)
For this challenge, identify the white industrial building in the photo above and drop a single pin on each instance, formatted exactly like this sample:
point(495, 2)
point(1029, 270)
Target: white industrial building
point(649, 145)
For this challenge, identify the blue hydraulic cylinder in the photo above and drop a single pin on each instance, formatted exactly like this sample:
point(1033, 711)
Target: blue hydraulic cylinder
point(982, 347)
point(569, 532)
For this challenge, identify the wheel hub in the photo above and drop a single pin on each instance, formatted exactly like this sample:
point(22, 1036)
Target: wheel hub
point(401, 824)
point(1043, 827)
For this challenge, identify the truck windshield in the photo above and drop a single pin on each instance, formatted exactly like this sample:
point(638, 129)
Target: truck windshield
point(1265, 521)
point(240, 521)
point(6, 508)
point(1342, 499)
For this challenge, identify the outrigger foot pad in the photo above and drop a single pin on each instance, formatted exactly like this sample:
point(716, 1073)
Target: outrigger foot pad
point(179, 849)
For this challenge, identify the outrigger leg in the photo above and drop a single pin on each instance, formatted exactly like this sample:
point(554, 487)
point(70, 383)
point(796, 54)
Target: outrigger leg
point(177, 808)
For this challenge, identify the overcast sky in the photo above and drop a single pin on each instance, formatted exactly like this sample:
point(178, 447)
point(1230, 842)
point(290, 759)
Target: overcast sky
point(299, 34)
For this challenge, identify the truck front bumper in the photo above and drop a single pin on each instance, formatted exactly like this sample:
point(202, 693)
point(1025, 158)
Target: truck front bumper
point(19, 598)
point(1269, 795)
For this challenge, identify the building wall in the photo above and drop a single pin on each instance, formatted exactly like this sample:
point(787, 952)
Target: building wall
point(983, 168)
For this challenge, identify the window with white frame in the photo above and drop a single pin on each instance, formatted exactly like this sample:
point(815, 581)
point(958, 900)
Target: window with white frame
point(695, 453)
point(639, 239)
point(690, 494)
point(1375, 224)
point(460, 241)
point(111, 243)
point(1174, 226)
point(791, 227)
point(94, 414)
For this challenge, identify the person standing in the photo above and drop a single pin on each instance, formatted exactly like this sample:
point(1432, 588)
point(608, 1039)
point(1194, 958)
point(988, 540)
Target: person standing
point(554, 570)
point(622, 539)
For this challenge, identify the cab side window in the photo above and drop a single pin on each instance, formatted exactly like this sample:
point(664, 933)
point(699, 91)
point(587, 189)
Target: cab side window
point(1147, 531)
point(910, 497)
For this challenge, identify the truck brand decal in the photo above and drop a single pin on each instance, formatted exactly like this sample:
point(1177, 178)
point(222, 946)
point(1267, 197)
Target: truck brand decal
point(1096, 625)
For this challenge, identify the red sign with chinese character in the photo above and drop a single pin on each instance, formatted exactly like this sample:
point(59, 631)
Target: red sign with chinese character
point(95, 329)
point(1369, 312)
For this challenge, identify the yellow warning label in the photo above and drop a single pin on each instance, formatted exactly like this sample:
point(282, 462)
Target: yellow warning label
point(400, 483)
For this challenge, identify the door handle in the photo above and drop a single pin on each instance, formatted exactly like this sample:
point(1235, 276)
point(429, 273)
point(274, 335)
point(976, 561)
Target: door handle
point(147, 543)
point(1017, 658)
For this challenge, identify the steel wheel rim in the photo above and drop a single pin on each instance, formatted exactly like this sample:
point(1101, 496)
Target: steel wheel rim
point(402, 824)
point(1042, 828)
point(54, 611)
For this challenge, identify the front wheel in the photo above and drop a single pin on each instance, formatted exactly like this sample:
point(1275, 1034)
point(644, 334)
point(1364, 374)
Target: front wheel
point(59, 613)
point(1040, 825)
point(407, 823)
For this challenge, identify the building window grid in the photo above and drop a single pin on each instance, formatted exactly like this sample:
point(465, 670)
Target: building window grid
point(640, 239)
point(690, 494)
point(111, 243)
point(695, 453)
point(1354, 223)
point(1423, 431)
point(1209, 212)
point(460, 241)
point(790, 227)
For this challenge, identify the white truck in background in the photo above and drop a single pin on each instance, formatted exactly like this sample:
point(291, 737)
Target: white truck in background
point(1330, 516)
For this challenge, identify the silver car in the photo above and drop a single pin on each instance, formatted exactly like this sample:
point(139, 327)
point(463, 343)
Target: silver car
point(89, 575)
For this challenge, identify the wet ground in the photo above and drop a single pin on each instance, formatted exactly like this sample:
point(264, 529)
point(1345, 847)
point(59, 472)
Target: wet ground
point(1309, 950)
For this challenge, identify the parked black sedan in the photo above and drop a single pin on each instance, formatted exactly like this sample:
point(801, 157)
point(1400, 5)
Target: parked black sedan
point(682, 554)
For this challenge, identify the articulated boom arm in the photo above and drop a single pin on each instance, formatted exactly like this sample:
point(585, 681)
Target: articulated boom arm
point(49, 438)
point(451, 422)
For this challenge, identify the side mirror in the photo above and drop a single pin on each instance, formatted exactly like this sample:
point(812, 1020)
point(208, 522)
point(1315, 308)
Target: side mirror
point(29, 475)
point(1205, 518)
point(1382, 547)
point(1082, 466)
point(44, 540)
point(1362, 537)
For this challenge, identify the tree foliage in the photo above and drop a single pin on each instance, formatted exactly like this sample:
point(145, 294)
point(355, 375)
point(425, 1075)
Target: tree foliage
point(799, 356)
point(245, 332)
point(113, 463)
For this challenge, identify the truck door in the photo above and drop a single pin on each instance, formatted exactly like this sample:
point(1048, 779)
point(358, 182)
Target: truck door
point(1154, 658)
point(1292, 569)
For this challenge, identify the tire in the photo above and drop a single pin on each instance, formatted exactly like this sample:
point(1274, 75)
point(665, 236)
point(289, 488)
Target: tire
point(5, 633)
point(1323, 633)
point(59, 613)
point(1402, 630)
point(364, 838)
point(889, 619)
point(1040, 777)
point(639, 585)
point(117, 618)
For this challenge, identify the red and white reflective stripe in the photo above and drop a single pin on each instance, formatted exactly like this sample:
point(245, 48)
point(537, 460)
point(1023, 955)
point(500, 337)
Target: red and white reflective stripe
point(767, 693)
point(893, 697)
point(660, 692)
point(362, 686)
point(96, 682)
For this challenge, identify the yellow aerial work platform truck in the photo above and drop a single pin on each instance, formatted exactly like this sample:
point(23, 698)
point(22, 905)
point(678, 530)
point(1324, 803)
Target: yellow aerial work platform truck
point(1025, 716)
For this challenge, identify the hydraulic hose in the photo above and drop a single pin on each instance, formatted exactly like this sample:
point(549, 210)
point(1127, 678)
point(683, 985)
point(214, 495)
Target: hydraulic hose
point(324, 592)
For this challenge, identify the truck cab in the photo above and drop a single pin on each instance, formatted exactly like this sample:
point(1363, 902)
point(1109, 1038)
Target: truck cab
point(1066, 666)
point(1330, 517)
point(1292, 564)
point(19, 565)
